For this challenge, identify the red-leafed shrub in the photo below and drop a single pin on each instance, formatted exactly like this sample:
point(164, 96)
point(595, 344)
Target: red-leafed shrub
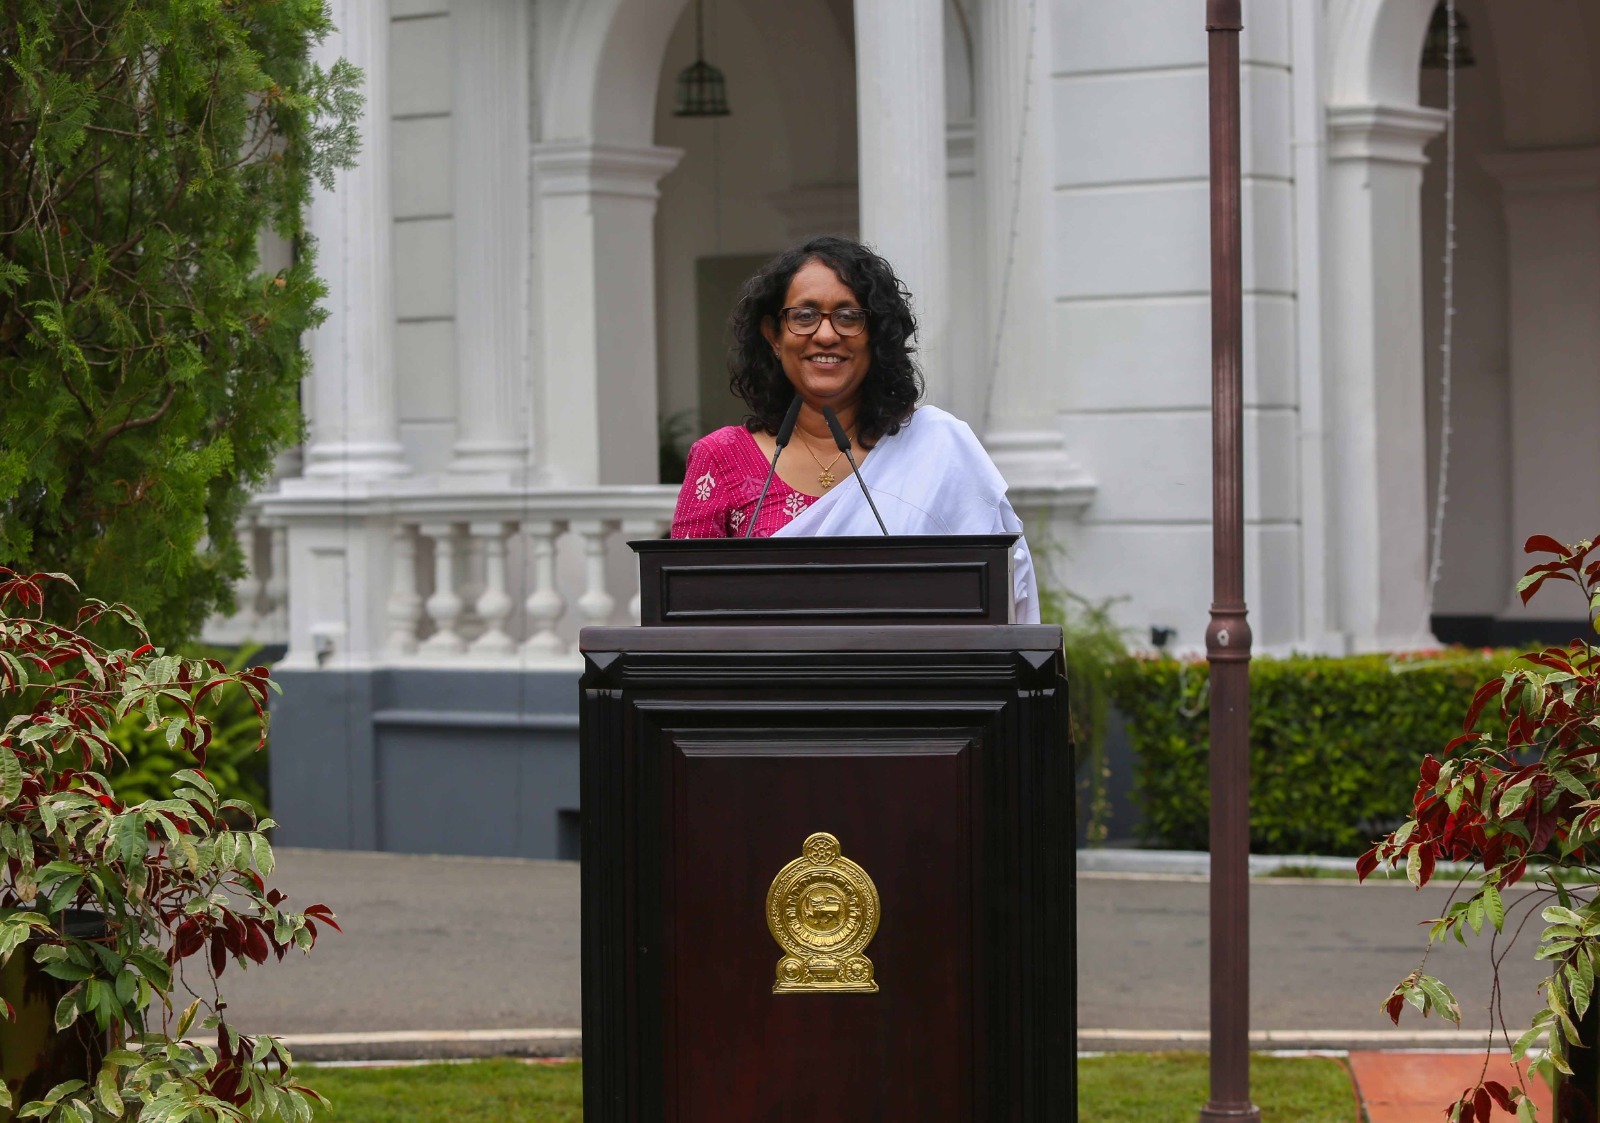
point(1518, 798)
point(179, 883)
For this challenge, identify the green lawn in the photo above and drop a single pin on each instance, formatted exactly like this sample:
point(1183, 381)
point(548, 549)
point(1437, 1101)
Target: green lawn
point(1171, 1088)
point(1121, 1088)
point(503, 1091)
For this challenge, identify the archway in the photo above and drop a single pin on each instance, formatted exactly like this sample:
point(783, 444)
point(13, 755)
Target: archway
point(606, 56)
point(1373, 386)
point(785, 166)
point(1473, 580)
point(1526, 350)
point(780, 168)
point(595, 179)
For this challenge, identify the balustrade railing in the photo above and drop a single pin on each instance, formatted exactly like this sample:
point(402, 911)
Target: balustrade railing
point(414, 574)
point(260, 595)
point(510, 590)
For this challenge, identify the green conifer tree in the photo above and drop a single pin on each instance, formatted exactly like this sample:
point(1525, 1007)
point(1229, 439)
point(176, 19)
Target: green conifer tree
point(149, 365)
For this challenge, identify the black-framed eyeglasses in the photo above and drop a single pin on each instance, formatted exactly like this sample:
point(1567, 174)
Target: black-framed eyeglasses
point(806, 321)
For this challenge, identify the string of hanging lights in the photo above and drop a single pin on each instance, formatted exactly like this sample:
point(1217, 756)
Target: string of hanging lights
point(1457, 53)
point(1439, 52)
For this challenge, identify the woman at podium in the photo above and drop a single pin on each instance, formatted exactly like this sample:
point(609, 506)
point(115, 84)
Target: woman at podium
point(822, 334)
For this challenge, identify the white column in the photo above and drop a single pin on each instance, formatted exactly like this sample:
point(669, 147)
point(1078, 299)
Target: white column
point(1009, 101)
point(1308, 32)
point(1012, 106)
point(354, 416)
point(597, 310)
point(1375, 371)
point(1552, 207)
point(490, 128)
point(966, 343)
point(905, 204)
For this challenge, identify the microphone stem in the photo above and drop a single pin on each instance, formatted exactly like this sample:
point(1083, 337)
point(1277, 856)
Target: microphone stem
point(785, 431)
point(856, 472)
point(755, 514)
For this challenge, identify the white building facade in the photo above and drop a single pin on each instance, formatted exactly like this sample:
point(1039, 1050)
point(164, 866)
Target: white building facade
point(530, 275)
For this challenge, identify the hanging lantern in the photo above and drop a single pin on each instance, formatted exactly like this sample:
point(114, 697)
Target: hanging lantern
point(702, 91)
point(1436, 48)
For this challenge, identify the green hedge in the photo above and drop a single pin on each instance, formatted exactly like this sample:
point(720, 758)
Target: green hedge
point(1334, 743)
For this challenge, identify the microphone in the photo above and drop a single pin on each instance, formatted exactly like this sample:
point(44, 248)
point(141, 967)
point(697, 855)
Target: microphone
point(842, 439)
point(785, 431)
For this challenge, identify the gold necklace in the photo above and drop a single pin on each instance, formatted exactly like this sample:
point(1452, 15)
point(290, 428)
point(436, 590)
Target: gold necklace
point(825, 477)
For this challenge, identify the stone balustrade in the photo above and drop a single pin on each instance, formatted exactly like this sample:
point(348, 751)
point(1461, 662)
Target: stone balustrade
point(418, 572)
point(509, 590)
point(261, 594)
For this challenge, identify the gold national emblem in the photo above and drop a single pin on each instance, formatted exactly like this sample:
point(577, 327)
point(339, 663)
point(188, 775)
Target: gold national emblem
point(823, 911)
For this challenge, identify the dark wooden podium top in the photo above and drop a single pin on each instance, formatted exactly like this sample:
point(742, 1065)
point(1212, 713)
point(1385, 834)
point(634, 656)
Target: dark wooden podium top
point(905, 579)
point(1038, 638)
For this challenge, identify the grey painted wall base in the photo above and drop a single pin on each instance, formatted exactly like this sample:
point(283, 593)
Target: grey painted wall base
point(427, 762)
point(468, 762)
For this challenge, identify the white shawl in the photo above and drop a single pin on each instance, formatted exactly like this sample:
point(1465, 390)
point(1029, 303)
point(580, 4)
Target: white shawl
point(932, 477)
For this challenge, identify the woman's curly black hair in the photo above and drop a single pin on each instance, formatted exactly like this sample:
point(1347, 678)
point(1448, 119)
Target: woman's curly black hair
point(893, 384)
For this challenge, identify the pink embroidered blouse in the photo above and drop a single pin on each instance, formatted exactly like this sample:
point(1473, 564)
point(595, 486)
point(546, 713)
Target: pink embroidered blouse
point(720, 488)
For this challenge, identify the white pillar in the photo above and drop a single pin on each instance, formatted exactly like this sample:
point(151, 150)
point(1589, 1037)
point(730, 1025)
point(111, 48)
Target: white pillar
point(1308, 35)
point(1025, 443)
point(490, 127)
point(966, 343)
point(597, 301)
point(905, 204)
point(1552, 207)
point(354, 417)
point(1375, 371)
point(1009, 101)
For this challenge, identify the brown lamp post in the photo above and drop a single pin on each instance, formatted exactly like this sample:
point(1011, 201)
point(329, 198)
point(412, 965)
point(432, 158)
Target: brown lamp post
point(1228, 636)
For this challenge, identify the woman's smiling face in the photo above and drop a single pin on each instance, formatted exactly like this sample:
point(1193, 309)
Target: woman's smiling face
point(826, 368)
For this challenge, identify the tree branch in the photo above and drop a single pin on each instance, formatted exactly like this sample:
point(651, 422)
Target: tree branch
point(137, 422)
point(66, 381)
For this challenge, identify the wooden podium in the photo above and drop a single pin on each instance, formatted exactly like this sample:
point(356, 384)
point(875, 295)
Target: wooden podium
point(828, 867)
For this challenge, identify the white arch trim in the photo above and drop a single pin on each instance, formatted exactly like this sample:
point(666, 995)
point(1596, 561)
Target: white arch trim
point(1373, 50)
point(601, 84)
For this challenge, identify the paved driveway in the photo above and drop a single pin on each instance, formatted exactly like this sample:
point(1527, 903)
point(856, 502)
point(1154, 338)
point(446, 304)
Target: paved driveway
point(429, 943)
point(1324, 955)
point(447, 944)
